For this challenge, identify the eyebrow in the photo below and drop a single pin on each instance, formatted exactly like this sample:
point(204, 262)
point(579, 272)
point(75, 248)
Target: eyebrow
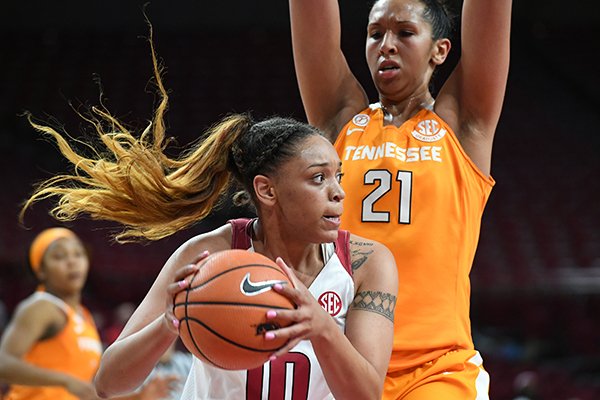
point(323, 164)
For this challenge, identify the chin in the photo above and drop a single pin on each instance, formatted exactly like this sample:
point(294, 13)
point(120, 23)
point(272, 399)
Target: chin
point(330, 236)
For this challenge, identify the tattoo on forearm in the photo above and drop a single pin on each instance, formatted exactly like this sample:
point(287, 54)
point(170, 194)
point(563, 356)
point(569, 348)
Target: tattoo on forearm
point(375, 301)
point(359, 256)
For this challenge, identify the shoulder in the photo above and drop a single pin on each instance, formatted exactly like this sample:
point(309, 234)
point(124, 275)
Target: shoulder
point(39, 310)
point(373, 267)
point(370, 253)
point(213, 241)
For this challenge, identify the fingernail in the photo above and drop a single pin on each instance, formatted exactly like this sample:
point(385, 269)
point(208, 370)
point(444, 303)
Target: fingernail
point(182, 284)
point(271, 314)
point(277, 286)
point(204, 253)
point(269, 336)
point(272, 358)
point(175, 323)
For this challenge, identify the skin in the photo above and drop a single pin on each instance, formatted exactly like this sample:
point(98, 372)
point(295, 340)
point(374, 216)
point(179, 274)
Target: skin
point(299, 208)
point(470, 100)
point(63, 273)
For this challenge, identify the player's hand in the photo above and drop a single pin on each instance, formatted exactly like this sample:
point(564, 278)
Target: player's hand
point(308, 319)
point(182, 279)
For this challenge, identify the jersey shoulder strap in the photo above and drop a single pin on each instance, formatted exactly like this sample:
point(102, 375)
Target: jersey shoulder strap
point(241, 232)
point(342, 249)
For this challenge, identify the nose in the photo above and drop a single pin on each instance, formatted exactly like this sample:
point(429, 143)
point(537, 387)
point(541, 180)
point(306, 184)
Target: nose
point(388, 44)
point(337, 193)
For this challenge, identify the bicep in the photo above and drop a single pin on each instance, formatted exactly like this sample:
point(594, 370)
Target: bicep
point(330, 93)
point(477, 86)
point(154, 303)
point(28, 326)
point(370, 320)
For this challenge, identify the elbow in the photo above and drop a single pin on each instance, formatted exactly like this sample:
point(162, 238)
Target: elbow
point(112, 384)
point(102, 389)
point(105, 386)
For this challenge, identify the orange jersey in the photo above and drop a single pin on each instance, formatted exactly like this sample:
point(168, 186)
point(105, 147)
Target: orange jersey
point(415, 190)
point(75, 350)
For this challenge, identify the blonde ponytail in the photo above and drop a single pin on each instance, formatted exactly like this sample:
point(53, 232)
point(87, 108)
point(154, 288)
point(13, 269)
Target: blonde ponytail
point(134, 182)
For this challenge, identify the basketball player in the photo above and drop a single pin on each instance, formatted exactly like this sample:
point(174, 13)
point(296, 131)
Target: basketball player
point(291, 174)
point(51, 347)
point(416, 169)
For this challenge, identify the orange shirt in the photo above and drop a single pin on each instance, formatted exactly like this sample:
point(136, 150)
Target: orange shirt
point(75, 350)
point(414, 189)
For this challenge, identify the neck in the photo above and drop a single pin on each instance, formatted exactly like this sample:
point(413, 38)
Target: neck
point(303, 257)
point(73, 300)
point(399, 112)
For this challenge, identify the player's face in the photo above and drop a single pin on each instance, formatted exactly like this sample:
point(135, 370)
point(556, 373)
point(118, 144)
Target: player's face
point(309, 195)
point(65, 267)
point(399, 48)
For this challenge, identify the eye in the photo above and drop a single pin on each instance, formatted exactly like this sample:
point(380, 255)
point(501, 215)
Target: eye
point(405, 33)
point(319, 178)
point(375, 34)
point(339, 177)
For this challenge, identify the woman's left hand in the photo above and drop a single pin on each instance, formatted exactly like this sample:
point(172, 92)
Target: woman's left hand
point(308, 319)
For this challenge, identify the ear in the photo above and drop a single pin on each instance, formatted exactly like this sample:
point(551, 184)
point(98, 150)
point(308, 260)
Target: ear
point(40, 275)
point(265, 192)
point(441, 49)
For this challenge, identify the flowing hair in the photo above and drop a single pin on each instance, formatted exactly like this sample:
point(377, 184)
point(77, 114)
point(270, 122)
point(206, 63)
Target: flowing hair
point(133, 182)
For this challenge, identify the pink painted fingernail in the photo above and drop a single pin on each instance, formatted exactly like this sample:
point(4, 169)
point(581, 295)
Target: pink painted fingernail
point(271, 314)
point(175, 323)
point(204, 253)
point(277, 286)
point(272, 358)
point(269, 336)
point(182, 284)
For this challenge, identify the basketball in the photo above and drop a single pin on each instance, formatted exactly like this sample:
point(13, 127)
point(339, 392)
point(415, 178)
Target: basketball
point(222, 313)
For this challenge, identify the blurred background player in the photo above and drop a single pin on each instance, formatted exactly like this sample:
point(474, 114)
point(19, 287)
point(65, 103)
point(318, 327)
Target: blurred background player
point(51, 348)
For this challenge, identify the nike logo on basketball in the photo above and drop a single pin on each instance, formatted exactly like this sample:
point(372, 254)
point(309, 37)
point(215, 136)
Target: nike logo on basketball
point(250, 288)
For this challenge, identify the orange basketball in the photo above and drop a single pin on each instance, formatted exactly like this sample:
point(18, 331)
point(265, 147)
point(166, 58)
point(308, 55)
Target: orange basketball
point(222, 313)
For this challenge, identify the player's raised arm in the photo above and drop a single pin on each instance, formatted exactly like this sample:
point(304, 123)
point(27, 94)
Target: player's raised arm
point(330, 93)
point(472, 98)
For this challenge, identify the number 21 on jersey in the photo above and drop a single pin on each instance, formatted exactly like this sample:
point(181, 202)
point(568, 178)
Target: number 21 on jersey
point(384, 179)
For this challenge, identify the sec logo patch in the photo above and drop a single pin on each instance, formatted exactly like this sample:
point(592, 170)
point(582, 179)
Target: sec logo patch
point(331, 302)
point(428, 130)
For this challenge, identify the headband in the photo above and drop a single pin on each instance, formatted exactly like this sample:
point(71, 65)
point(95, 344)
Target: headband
point(41, 243)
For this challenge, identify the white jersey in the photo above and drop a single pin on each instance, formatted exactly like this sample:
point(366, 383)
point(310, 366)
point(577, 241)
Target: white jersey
point(296, 375)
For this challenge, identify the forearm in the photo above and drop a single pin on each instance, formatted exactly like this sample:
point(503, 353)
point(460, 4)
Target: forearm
point(127, 362)
point(349, 375)
point(15, 371)
point(330, 92)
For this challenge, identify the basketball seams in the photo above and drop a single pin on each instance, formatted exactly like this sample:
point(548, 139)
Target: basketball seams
point(227, 303)
point(212, 278)
point(220, 336)
point(208, 308)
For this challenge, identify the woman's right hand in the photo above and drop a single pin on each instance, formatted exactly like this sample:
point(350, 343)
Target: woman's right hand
point(182, 279)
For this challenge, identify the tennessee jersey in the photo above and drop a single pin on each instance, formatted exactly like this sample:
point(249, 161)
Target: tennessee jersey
point(75, 351)
point(415, 190)
point(297, 374)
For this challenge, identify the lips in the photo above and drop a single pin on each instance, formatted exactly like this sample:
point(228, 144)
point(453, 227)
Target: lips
point(388, 69)
point(388, 64)
point(333, 219)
